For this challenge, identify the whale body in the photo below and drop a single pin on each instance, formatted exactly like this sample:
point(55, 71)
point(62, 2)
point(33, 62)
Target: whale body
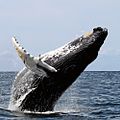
point(37, 92)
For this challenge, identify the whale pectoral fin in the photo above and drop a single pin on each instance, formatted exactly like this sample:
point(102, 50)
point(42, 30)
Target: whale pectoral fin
point(35, 64)
point(20, 50)
point(27, 59)
point(44, 65)
point(48, 67)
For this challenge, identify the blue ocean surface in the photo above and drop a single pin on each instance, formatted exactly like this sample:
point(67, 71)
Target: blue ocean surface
point(93, 96)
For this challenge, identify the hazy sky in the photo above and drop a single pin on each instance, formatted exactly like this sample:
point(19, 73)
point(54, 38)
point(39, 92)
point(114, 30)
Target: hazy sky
point(43, 25)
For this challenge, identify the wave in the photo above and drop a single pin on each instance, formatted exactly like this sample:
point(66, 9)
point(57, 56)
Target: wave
point(9, 113)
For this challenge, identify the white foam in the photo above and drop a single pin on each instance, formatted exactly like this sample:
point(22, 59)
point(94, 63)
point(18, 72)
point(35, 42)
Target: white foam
point(15, 106)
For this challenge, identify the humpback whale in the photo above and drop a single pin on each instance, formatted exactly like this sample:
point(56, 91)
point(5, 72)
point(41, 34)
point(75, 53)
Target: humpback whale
point(39, 85)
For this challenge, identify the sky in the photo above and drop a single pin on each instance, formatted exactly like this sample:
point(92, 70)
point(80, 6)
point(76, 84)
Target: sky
point(44, 25)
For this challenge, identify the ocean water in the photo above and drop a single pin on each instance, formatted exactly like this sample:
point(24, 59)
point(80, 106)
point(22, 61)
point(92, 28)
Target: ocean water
point(93, 96)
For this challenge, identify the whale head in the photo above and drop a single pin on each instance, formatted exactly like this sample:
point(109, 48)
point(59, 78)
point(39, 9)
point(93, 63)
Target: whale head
point(35, 92)
point(77, 54)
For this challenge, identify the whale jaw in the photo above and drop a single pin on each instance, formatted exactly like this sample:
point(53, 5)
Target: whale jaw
point(69, 60)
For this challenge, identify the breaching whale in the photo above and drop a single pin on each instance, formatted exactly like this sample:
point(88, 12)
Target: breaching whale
point(39, 85)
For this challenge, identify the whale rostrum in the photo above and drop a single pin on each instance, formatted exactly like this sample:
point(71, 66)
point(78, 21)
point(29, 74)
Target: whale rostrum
point(39, 85)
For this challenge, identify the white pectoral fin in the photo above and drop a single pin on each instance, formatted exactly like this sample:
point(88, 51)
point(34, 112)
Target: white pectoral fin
point(20, 50)
point(30, 61)
point(23, 54)
point(48, 67)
